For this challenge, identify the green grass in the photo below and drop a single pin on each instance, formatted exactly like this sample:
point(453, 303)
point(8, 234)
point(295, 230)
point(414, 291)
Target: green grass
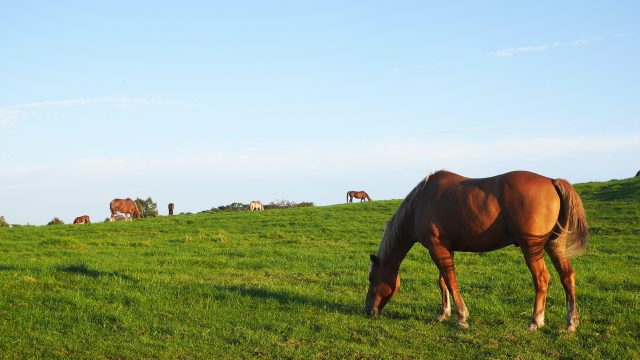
point(291, 284)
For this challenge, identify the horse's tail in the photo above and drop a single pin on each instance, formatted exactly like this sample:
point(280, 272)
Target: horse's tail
point(348, 192)
point(572, 219)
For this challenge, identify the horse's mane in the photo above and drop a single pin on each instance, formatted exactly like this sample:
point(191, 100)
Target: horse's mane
point(396, 224)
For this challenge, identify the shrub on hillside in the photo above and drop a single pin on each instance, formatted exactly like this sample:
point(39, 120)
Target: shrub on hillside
point(278, 204)
point(286, 204)
point(148, 208)
point(56, 221)
point(235, 206)
point(3, 222)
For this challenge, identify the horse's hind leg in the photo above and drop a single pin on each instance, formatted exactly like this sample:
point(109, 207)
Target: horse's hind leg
point(535, 262)
point(445, 310)
point(567, 277)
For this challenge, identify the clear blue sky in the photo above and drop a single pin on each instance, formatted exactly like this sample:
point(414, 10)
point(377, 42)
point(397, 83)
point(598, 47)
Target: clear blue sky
point(206, 103)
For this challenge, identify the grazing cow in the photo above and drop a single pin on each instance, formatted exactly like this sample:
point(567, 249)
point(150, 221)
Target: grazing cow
point(171, 206)
point(126, 206)
point(84, 219)
point(256, 205)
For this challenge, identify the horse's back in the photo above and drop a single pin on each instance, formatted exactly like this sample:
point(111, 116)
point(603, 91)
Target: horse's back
point(483, 214)
point(122, 205)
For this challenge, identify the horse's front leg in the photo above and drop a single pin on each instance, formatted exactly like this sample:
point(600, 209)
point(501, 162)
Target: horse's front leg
point(443, 258)
point(445, 309)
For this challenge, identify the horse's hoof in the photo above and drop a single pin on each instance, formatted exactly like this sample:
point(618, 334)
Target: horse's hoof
point(463, 325)
point(535, 326)
point(572, 324)
point(442, 317)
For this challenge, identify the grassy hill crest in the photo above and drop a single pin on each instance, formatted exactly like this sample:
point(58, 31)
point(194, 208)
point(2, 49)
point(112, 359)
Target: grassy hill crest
point(291, 284)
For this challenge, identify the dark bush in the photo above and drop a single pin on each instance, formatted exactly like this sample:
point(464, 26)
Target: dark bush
point(236, 206)
point(286, 204)
point(56, 221)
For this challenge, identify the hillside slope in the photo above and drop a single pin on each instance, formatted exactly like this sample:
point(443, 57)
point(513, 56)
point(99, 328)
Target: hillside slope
point(291, 284)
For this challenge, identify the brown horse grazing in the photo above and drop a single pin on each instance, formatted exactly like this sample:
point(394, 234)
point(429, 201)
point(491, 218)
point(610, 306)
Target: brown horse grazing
point(171, 206)
point(82, 220)
point(447, 213)
point(125, 206)
point(358, 195)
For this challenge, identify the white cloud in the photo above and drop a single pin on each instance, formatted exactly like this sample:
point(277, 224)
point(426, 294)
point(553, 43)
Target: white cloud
point(114, 101)
point(11, 114)
point(544, 47)
point(197, 179)
point(335, 158)
point(411, 65)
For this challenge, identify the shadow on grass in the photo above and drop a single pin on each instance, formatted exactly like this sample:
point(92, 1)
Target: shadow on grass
point(7, 267)
point(290, 298)
point(83, 269)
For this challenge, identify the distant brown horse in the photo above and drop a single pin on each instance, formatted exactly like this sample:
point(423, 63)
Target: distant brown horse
point(84, 219)
point(358, 195)
point(171, 206)
point(447, 212)
point(126, 206)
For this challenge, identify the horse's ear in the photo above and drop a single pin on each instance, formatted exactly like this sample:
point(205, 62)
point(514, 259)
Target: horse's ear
point(374, 259)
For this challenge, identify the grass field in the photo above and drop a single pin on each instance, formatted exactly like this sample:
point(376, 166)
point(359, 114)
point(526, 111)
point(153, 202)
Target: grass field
point(291, 284)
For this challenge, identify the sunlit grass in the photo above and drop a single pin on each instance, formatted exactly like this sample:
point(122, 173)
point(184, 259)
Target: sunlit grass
point(291, 284)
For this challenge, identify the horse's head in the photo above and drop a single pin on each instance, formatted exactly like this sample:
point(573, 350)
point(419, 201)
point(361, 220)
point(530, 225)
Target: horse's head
point(384, 282)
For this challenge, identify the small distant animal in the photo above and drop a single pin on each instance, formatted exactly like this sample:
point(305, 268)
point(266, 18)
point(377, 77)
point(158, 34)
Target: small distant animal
point(118, 217)
point(171, 206)
point(256, 205)
point(362, 195)
point(84, 219)
point(447, 212)
point(126, 206)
